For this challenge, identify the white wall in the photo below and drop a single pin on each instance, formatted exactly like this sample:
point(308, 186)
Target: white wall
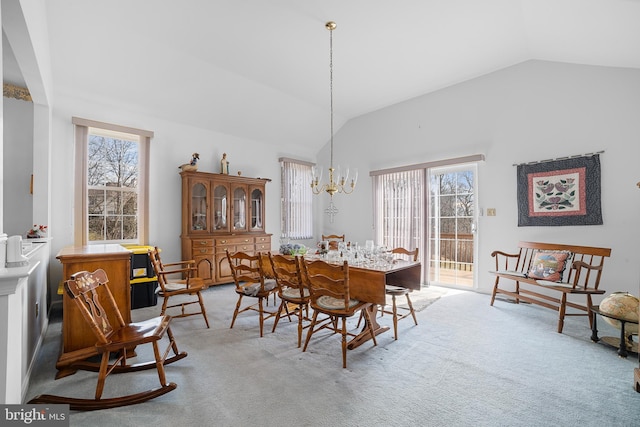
point(532, 111)
point(171, 146)
point(17, 165)
point(535, 110)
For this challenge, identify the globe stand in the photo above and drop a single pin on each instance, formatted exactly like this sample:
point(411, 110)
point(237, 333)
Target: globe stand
point(624, 344)
point(630, 345)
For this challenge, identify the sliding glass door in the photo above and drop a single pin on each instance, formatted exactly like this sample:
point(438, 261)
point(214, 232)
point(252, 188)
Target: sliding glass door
point(452, 225)
point(432, 207)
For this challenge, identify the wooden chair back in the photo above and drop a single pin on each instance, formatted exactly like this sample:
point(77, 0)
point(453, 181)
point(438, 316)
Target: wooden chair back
point(247, 270)
point(334, 237)
point(89, 291)
point(324, 279)
point(411, 255)
point(333, 240)
point(185, 284)
point(267, 268)
point(154, 256)
point(286, 271)
point(166, 273)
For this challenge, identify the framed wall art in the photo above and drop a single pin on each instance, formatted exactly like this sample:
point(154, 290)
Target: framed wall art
point(560, 192)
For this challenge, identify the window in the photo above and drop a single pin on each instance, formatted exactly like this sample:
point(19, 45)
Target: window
point(111, 183)
point(296, 199)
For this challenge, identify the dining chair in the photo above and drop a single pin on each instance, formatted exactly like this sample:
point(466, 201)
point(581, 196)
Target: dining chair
point(329, 288)
point(171, 286)
point(291, 290)
point(249, 277)
point(115, 340)
point(396, 291)
point(267, 272)
point(333, 240)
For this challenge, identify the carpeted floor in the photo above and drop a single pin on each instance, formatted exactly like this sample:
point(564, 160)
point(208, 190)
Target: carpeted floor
point(465, 364)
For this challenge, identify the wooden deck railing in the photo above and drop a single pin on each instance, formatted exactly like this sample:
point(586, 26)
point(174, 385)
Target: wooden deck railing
point(456, 254)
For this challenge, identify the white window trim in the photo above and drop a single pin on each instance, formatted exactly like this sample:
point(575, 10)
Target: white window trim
point(80, 211)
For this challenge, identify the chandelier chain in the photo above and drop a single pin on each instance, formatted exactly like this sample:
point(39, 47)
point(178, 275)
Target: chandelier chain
point(338, 182)
point(331, 88)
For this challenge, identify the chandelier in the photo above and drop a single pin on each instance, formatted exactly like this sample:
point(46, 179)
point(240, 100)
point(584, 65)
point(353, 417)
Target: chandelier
point(338, 179)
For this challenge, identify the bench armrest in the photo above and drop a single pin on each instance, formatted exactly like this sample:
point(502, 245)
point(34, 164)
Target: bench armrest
point(578, 265)
point(496, 253)
point(505, 261)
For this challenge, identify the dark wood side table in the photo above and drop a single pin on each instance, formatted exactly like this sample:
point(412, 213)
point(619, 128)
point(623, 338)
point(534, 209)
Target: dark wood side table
point(624, 346)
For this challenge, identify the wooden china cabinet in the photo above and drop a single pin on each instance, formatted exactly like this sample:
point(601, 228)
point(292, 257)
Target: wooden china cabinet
point(221, 212)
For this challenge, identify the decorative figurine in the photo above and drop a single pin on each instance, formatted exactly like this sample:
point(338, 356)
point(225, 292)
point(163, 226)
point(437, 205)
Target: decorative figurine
point(192, 165)
point(224, 164)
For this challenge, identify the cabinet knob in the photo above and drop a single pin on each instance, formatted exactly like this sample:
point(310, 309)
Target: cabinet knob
point(246, 240)
point(203, 242)
point(203, 251)
point(223, 241)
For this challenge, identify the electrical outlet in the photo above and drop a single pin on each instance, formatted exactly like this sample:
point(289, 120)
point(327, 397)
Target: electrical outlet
point(491, 211)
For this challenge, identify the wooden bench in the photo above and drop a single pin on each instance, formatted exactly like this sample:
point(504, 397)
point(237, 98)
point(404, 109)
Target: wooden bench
point(581, 276)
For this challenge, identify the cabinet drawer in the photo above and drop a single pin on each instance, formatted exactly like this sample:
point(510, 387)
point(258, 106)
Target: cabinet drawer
point(199, 243)
point(263, 247)
point(245, 240)
point(263, 239)
point(201, 251)
point(233, 248)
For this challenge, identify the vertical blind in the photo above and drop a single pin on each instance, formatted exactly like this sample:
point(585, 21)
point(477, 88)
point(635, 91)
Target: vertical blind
point(296, 199)
point(399, 208)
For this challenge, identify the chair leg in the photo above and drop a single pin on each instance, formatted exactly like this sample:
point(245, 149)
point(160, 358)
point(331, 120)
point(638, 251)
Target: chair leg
point(563, 309)
point(368, 319)
point(261, 312)
point(395, 316)
point(300, 315)
point(204, 311)
point(310, 332)
point(344, 342)
point(235, 312)
point(102, 374)
point(275, 323)
point(359, 320)
point(172, 341)
point(413, 313)
point(159, 364)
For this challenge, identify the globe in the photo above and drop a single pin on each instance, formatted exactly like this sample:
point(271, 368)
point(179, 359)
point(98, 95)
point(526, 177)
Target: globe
point(622, 305)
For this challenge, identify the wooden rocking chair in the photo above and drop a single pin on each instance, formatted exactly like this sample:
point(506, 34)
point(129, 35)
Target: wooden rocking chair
point(88, 291)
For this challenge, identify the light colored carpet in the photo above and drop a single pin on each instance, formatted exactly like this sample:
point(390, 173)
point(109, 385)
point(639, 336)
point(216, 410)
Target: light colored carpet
point(465, 364)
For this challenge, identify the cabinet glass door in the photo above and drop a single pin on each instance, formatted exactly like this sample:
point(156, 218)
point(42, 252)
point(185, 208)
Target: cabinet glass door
point(257, 209)
point(199, 207)
point(220, 208)
point(239, 209)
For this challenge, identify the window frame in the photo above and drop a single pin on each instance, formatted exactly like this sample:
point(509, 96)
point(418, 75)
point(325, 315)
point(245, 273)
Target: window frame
point(81, 204)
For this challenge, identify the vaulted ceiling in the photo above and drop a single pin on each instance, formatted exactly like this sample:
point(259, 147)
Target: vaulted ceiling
point(259, 69)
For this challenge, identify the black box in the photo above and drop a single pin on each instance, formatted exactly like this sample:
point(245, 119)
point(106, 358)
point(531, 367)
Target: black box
point(141, 266)
point(143, 293)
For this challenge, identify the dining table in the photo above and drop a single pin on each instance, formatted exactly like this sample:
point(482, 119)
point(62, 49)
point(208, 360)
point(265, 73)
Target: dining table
point(367, 283)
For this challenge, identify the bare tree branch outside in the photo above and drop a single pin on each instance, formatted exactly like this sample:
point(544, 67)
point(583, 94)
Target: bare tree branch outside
point(113, 194)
